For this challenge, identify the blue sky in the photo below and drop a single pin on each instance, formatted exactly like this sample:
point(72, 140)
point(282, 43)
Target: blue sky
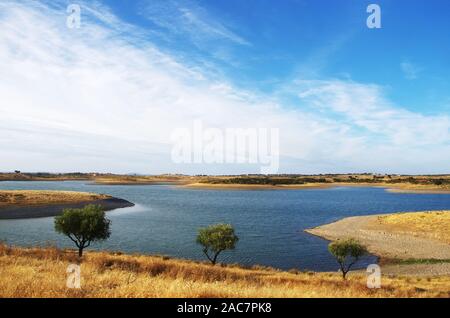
point(319, 39)
point(107, 96)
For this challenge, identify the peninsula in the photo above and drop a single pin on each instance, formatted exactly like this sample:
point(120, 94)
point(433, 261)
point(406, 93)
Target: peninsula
point(20, 204)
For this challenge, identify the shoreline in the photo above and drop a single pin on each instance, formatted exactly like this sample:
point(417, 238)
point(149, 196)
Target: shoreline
point(392, 188)
point(405, 252)
point(223, 186)
point(113, 183)
point(415, 184)
point(418, 191)
point(43, 211)
point(381, 241)
point(312, 186)
point(27, 204)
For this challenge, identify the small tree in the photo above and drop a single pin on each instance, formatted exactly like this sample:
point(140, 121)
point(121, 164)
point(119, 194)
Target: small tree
point(347, 253)
point(216, 239)
point(83, 226)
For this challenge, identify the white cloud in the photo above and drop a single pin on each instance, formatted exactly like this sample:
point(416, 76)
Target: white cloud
point(365, 106)
point(96, 99)
point(188, 18)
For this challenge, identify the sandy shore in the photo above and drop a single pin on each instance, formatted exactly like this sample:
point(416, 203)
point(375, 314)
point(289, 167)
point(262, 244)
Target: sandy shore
point(418, 191)
point(394, 188)
point(382, 242)
point(390, 245)
point(113, 183)
point(225, 186)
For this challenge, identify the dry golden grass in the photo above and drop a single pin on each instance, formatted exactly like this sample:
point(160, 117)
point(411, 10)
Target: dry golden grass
point(38, 197)
point(433, 224)
point(417, 188)
point(42, 273)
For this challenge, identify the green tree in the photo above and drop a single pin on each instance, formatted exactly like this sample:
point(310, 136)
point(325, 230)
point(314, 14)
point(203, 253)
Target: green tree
point(84, 226)
point(347, 253)
point(216, 239)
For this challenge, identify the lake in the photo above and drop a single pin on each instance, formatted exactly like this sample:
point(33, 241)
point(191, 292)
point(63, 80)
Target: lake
point(269, 223)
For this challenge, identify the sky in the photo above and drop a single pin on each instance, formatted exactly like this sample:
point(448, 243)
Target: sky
point(107, 96)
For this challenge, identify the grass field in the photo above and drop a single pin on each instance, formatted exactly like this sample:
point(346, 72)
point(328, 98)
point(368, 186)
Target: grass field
point(41, 272)
point(39, 197)
point(433, 224)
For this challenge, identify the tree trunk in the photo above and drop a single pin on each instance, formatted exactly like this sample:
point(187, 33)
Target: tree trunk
point(212, 260)
point(215, 258)
point(344, 272)
point(80, 252)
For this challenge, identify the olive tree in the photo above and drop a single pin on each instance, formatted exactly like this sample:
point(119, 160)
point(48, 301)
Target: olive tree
point(84, 226)
point(347, 252)
point(216, 239)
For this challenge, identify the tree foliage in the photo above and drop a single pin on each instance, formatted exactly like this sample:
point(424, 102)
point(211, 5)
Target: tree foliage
point(216, 239)
point(84, 226)
point(347, 253)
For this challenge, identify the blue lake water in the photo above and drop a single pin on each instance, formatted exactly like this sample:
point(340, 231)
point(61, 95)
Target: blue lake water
point(270, 223)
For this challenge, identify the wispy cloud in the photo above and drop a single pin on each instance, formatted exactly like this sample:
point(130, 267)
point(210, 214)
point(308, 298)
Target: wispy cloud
point(187, 18)
point(97, 98)
point(365, 106)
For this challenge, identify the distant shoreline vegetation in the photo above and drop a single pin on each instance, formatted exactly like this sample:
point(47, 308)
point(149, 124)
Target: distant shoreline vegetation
point(438, 183)
point(275, 180)
point(437, 179)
